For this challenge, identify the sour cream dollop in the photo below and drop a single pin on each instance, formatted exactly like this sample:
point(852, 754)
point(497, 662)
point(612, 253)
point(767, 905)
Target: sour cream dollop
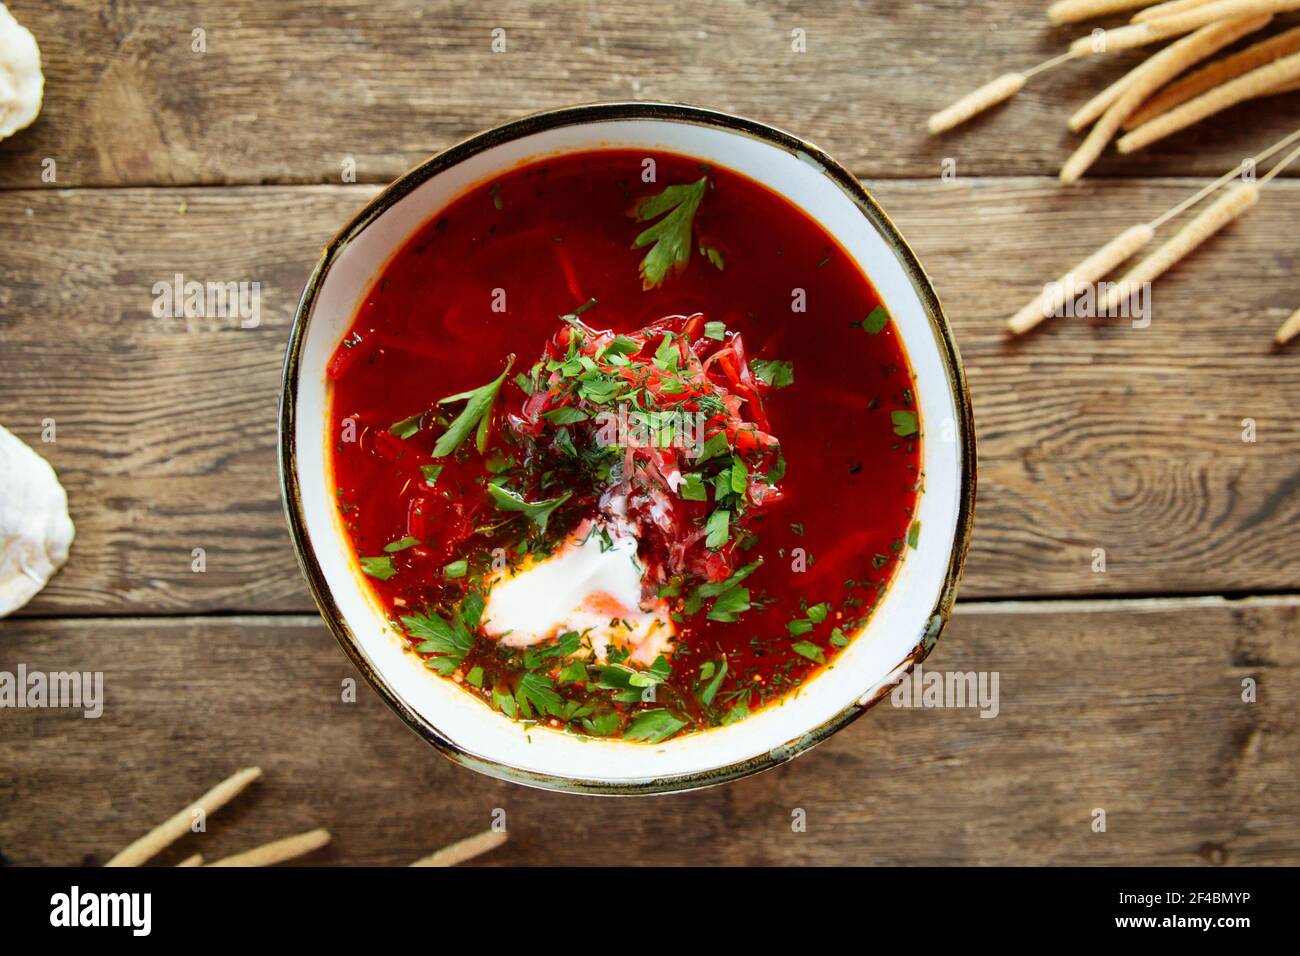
point(592, 584)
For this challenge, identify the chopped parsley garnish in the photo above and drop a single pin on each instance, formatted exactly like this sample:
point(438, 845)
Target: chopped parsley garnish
point(714, 445)
point(602, 725)
point(905, 422)
point(574, 672)
point(407, 426)
point(692, 488)
point(739, 712)
point(711, 688)
point(809, 650)
point(739, 480)
point(622, 346)
point(729, 605)
point(380, 567)
point(565, 415)
point(718, 528)
point(774, 372)
point(876, 321)
point(504, 701)
point(731, 597)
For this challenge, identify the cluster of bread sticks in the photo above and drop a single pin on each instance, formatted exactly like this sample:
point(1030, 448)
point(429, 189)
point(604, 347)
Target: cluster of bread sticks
point(1169, 91)
point(278, 851)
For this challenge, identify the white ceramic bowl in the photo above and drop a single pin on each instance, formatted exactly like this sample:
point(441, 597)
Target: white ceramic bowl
point(903, 628)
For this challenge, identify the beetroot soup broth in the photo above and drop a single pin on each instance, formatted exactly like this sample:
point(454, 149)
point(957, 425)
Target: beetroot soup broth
point(627, 458)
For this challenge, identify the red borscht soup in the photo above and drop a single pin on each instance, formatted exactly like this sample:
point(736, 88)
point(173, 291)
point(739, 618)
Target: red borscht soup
point(625, 445)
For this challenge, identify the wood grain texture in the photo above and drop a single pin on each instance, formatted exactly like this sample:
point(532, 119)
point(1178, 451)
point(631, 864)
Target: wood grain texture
point(287, 91)
point(1131, 707)
point(1091, 436)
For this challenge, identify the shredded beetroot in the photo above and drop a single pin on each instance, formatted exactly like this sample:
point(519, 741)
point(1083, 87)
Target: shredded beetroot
point(674, 370)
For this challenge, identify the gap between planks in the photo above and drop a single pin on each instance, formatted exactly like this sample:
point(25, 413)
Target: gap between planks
point(1019, 605)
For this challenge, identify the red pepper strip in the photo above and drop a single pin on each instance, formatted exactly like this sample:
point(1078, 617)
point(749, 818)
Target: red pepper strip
point(691, 330)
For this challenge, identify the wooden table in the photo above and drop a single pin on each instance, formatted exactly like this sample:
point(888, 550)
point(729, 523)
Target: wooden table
point(1120, 690)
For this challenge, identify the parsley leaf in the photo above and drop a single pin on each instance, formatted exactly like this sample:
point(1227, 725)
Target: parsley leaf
point(477, 412)
point(601, 725)
point(653, 726)
point(714, 445)
point(876, 321)
point(450, 641)
point(721, 590)
point(574, 672)
point(671, 235)
point(437, 636)
point(538, 693)
point(668, 355)
point(407, 426)
point(729, 605)
point(774, 372)
point(471, 610)
point(656, 673)
point(380, 567)
point(718, 526)
point(539, 512)
point(809, 650)
point(616, 678)
point(739, 712)
point(692, 487)
point(904, 423)
point(711, 689)
point(565, 415)
point(504, 701)
point(622, 345)
point(739, 476)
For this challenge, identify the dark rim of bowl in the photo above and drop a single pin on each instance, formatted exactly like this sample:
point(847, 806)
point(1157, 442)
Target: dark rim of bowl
point(597, 113)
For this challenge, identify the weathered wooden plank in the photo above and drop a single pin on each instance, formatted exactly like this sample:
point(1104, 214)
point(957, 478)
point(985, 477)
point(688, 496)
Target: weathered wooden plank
point(286, 92)
point(1131, 707)
point(1091, 437)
